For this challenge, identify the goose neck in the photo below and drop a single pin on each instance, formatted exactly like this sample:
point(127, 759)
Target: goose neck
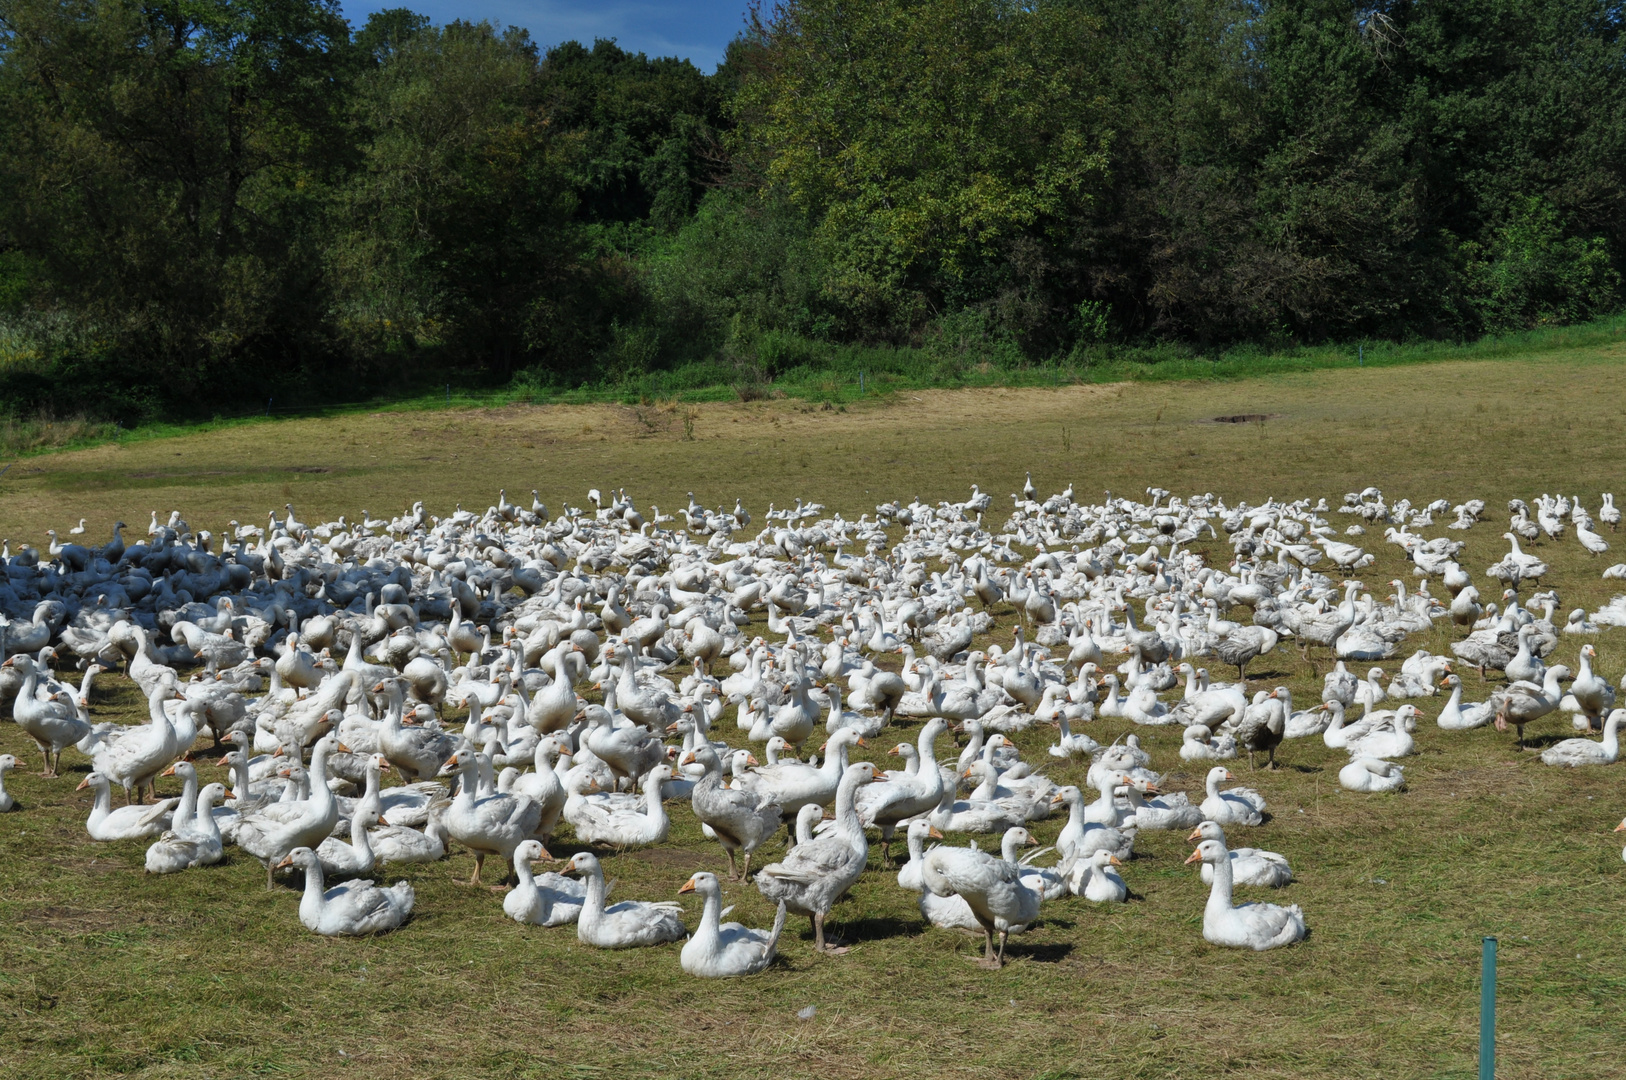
point(1219, 897)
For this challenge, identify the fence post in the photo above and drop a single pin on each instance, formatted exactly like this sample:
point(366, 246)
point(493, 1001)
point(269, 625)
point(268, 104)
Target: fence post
point(1361, 361)
point(1487, 1011)
point(860, 384)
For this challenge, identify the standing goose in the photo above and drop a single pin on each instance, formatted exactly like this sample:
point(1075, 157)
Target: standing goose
point(990, 884)
point(1524, 702)
point(492, 824)
point(272, 832)
point(1249, 926)
point(905, 796)
point(740, 819)
point(53, 725)
point(724, 950)
point(814, 875)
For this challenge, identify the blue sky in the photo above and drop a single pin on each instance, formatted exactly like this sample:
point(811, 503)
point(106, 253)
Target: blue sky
point(696, 29)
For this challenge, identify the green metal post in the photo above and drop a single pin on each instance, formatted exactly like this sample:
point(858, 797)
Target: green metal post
point(1487, 1011)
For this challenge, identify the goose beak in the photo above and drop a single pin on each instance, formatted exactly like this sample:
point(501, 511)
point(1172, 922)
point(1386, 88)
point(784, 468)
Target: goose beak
point(688, 758)
point(286, 862)
point(862, 743)
point(1115, 861)
point(1228, 775)
point(279, 752)
point(1196, 856)
point(381, 820)
point(937, 834)
point(1056, 799)
point(343, 749)
point(168, 772)
point(223, 762)
point(1196, 834)
point(1618, 828)
point(751, 759)
point(688, 886)
point(83, 784)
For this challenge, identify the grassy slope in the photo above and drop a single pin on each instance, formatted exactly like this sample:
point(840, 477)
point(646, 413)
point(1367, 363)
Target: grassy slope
point(108, 971)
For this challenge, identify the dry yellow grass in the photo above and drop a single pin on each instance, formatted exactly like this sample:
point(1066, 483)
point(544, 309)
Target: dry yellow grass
point(106, 971)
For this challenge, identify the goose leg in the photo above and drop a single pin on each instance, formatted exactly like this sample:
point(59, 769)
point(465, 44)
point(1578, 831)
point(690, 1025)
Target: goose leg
point(733, 875)
point(990, 959)
point(479, 863)
point(270, 883)
point(818, 931)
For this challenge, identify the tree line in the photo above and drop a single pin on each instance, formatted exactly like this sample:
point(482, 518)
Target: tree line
point(209, 203)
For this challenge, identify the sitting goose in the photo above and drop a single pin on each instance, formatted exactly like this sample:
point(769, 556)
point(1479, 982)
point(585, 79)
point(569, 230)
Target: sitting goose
point(1238, 806)
point(724, 950)
point(1572, 753)
point(7, 803)
point(552, 900)
point(1390, 740)
point(353, 909)
point(127, 822)
point(356, 857)
point(197, 845)
point(1371, 774)
point(1096, 880)
point(630, 924)
point(1249, 866)
point(1456, 716)
point(597, 822)
point(1249, 926)
point(814, 875)
point(1198, 743)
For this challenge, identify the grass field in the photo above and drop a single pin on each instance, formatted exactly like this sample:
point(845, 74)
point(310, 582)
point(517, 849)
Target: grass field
point(104, 970)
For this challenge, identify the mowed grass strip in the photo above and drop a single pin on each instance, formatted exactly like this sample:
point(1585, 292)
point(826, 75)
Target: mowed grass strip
point(105, 970)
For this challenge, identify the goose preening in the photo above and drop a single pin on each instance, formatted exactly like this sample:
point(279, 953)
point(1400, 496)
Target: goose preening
point(1254, 926)
point(1371, 774)
point(991, 885)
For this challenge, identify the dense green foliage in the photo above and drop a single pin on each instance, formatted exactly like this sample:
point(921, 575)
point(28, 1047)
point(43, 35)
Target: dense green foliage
point(208, 203)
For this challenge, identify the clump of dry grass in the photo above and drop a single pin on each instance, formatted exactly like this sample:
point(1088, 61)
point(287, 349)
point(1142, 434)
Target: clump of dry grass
point(24, 436)
point(1397, 889)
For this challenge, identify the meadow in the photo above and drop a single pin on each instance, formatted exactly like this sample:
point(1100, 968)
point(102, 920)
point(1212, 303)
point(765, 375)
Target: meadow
point(104, 970)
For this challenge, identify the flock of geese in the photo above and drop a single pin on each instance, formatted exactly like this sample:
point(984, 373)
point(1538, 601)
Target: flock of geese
point(316, 660)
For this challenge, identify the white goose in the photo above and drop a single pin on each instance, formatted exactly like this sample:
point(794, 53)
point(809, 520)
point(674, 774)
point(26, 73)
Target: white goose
point(1370, 774)
point(724, 950)
point(1573, 753)
point(551, 900)
point(1238, 806)
point(1249, 866)
point(630, 924)
point(127, 822)
point(1456, 716)
point(353, 909)
point(598, 821)
point(990, 884)
point(1249, 926)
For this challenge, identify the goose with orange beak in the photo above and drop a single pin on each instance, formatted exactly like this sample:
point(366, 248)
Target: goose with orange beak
point(1254, 926)
point(719, 950)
